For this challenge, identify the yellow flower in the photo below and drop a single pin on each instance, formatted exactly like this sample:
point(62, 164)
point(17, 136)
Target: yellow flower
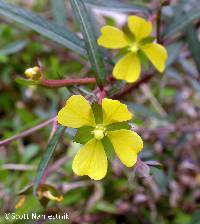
point(129, 67)
point(91, 159)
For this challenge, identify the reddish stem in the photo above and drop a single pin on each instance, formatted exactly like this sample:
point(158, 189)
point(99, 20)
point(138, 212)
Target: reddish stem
point(152, 18)
point(129, 88)
point(66, 82)
point(27, 132)
point(102, 94)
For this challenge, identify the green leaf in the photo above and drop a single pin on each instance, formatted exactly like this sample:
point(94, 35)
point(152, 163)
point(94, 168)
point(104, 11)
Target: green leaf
point(45, 159)
point(118, 126)
point(26, 82)
point(93, 50)
point(114, 5)
point(108, 147)
point(160, 178)
point(13, 47)
point(26, 190)
point(182, 21)
point(98, 114)
point(59, 9)
point(44, 27)
point(173, 52)
point(182, 218)
point(193, 44)
point(196, 217)
point(84, 134)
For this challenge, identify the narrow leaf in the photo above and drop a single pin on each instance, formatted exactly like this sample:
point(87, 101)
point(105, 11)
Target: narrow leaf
point(182, 21)
point(45, 159)
point(93, 50)
point(173, 52)
point(13, 47)
point(59, 10)
point(114, 5)
point(44, 27)
point(26, 82)
point(193, 44)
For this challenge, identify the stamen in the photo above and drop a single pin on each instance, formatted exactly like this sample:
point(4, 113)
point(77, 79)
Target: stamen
point(99, 132)
point(134, 48)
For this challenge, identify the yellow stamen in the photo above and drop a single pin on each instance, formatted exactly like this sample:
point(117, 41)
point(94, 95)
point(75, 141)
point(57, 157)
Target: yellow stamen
point(134, 48)
point(99, 132)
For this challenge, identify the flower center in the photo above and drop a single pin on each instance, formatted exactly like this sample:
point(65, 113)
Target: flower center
point(99, 132)
point(134, 47)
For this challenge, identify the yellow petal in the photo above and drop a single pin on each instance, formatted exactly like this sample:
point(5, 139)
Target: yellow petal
point(128, 68)
point(91, 160)
point(126, 144)
point(112, 37)
point(139, 27)
point(114, 111)
point(157, 54)
point(76, 113)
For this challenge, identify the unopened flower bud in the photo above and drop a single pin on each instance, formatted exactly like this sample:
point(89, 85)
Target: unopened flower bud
point(33, 73)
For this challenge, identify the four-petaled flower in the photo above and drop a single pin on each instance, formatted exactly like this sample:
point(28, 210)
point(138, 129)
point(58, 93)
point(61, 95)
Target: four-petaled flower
point(138, 42)
point(107, 125)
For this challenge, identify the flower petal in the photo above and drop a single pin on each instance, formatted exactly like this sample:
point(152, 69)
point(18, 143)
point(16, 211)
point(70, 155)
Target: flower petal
point(114, 111)
point(126, 144)
point(76, 113)
point(139, 27)
point(91, 160)
point(128, 68)
point(157, 54)
point(112, 37)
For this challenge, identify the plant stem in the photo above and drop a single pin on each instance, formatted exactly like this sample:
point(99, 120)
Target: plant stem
point(158, 19)
point(158, 23)
point(129, 88)
point(102, 94)
point(66, 82)
point(27, 132)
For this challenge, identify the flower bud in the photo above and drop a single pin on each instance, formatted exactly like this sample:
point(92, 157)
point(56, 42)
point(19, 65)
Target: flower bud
point(33, 73)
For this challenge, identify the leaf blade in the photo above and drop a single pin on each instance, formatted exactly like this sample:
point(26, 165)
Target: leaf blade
point(117, 6)
point(179, 23)
point(59, 11)
point(193, 44)
point(42, 26)
point(26, 82)
point(13, 47)
point(93, 50)
point(45, 159)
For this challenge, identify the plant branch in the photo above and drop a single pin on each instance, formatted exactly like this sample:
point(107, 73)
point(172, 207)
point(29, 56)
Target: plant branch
point(66, 82)
point(158, 23)
point(27, 132)
point(129, 88)
point(165, 130)
point(158, 19)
